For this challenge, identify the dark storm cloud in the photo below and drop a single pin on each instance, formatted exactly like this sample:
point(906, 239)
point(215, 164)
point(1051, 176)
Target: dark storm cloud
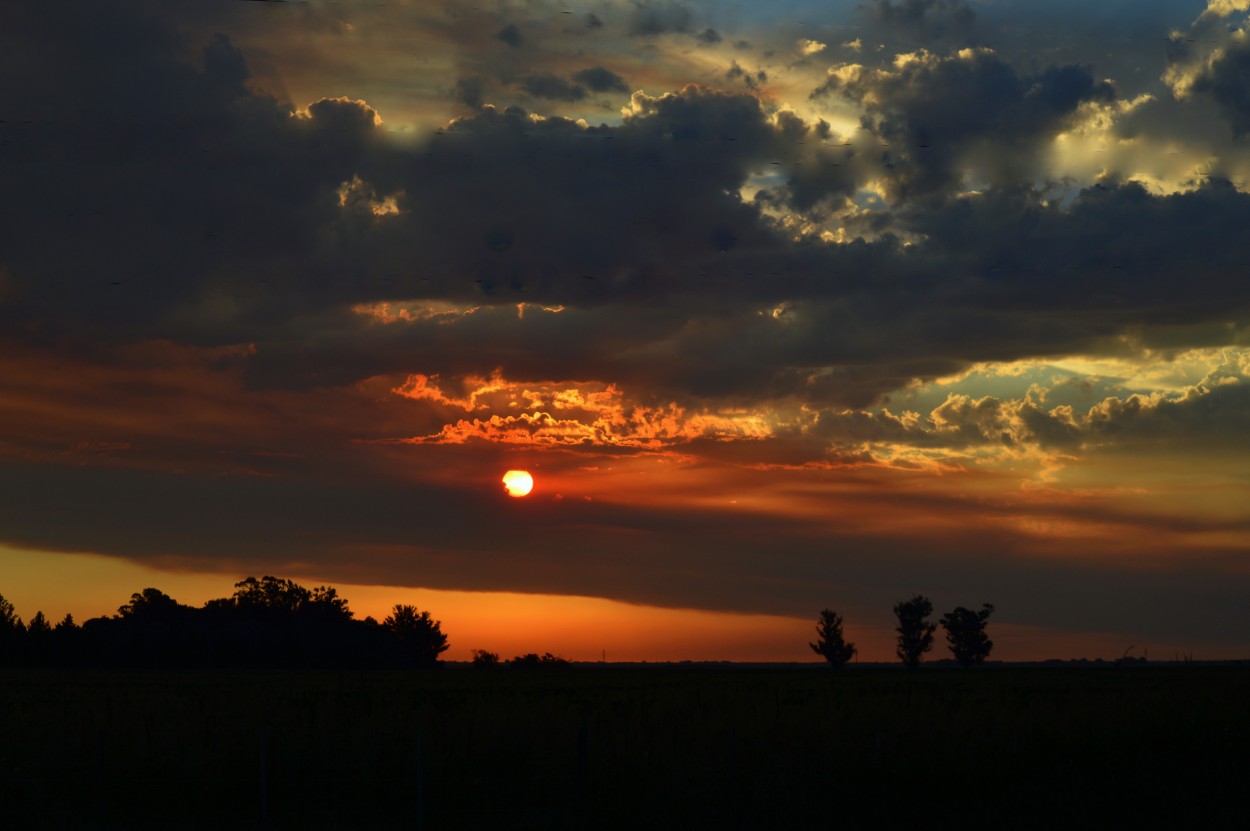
point(599, 79)
point(933, 110)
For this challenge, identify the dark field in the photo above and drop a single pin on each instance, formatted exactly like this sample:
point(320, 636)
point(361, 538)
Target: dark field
point(615, 747)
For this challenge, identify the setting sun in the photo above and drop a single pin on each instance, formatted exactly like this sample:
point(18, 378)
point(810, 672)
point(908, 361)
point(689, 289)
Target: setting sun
point(518, 482)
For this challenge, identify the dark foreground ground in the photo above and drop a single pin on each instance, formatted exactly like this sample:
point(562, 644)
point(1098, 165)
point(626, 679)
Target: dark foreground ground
point(609, 747)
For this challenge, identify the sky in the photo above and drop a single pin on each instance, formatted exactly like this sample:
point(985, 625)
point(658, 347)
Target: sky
point(785, 306)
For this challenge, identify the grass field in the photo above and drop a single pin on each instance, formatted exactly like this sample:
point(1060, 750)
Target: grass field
point(614, 747)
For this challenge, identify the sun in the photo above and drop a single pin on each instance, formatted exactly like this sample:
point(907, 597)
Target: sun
point(518, 482)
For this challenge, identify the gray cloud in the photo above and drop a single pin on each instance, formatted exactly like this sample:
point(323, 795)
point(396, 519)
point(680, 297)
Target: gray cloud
point(599, 79)
point(510, 35)
point(552, 88)
point(656, 17)
point(916, 11)
point(709, 36)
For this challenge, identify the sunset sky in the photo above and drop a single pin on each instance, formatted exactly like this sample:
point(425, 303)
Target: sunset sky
point(785, 305)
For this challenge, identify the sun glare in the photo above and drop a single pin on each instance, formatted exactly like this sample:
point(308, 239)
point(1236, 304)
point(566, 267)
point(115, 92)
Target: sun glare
point(518, 482)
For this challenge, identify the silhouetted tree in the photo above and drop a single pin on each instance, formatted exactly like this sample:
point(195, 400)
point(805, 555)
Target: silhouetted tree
point(420, 637)
point(482, 658)
point(270, 622)
point(965, 634)
point(829, 641)
point(915, 634)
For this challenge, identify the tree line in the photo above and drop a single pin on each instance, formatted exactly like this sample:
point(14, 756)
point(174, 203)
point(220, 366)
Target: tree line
point(270, 622)
point(965, 634)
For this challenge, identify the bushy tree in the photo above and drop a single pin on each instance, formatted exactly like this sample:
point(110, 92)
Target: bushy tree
point(829, 641)
point(420, 637)
point(965, 634)
point(149, 604)
point(272, 593)
point(915, 633)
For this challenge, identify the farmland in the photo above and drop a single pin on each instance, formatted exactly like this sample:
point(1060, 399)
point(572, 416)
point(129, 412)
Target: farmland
point(608, 746)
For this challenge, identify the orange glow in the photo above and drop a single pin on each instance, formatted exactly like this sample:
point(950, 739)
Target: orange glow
point(518, 482)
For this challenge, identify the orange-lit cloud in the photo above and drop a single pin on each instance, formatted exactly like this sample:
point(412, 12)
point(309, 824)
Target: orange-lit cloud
point(572, 414)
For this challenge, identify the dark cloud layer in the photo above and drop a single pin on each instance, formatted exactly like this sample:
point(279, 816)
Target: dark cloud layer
point(255, 231)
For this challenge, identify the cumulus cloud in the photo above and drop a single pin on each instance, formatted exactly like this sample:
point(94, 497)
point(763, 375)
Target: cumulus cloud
point(934, 110)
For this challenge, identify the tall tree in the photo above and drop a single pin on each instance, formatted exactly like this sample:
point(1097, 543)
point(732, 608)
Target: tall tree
point(829, 641)
point(915, 633)
point(965, 634)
